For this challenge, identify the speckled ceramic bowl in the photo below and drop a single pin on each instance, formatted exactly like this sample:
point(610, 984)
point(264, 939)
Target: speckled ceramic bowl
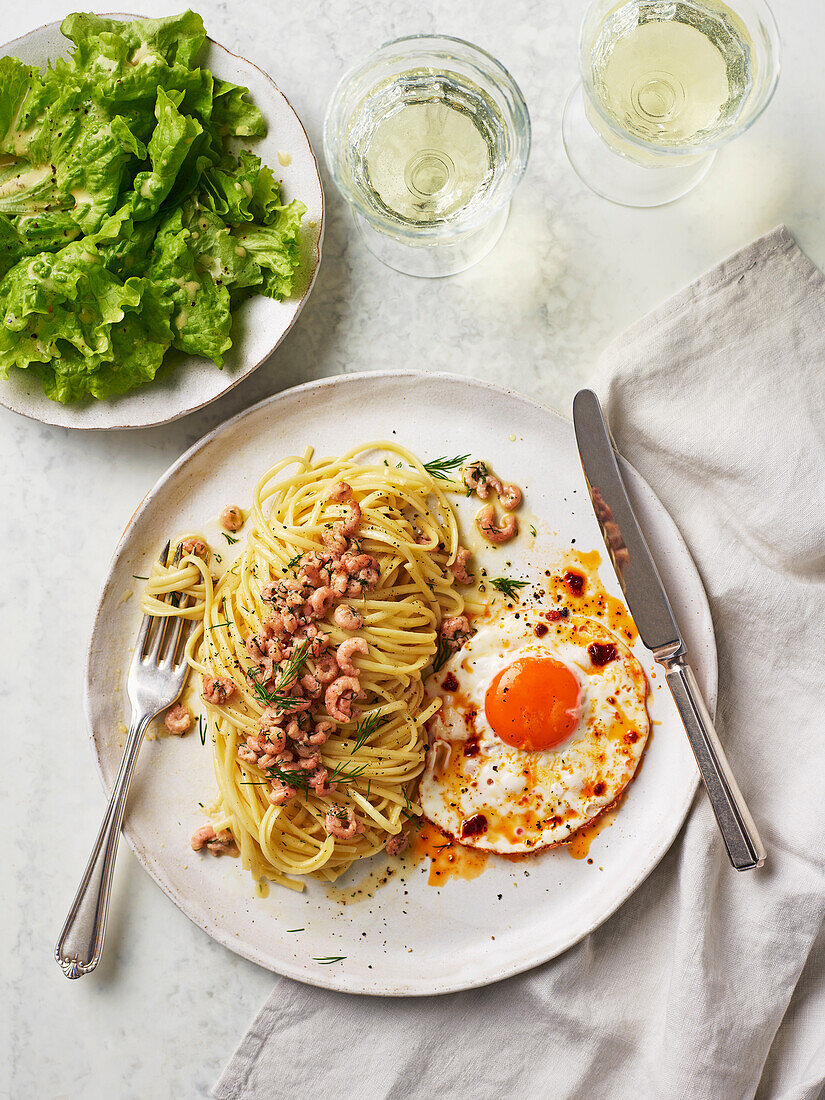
point(259, 324)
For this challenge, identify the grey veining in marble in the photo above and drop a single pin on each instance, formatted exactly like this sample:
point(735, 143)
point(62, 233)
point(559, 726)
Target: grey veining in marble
point(167, 1005)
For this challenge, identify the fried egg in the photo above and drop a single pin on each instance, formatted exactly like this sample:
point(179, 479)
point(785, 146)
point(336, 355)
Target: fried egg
point(542, 726)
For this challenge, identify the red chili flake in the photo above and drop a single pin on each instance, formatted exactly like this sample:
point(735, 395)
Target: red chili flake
point(575, 582)
point(602, 654)
point(553, 615)
point(599, 788)
point(449, 683)
point(631, 736)
point(474, 826)
point(540, 629)
point(471, 746)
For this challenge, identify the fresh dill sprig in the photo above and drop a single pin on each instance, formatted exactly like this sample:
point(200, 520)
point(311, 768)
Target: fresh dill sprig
point(138, 578)
point(294, 561)
point(508, 587)
point(216, 625)
point(443, 653)
point(287, 674)
point(533, 530)
point(340, 775)
point(293, 778)
point(229, 538)
point(366, 727)
point(441, 467)
point(327, 959)
point(296, 929)
point(203, 728)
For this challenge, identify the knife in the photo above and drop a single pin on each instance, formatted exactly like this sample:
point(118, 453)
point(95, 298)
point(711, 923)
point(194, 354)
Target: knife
point(653, 615)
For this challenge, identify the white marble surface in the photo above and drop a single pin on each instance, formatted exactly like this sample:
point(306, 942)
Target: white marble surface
point(167, 1005)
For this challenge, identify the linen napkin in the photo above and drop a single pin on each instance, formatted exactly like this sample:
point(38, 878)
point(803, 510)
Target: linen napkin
point(707, 983)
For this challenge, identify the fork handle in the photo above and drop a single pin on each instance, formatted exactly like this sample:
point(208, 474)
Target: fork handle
point(80, 944)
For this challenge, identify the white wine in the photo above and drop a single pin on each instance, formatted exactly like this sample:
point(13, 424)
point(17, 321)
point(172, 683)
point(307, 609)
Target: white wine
point(427, 146)
point(671, 75)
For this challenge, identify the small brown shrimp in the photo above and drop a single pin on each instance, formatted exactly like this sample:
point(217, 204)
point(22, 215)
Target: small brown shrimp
point(340, 492)
point(489, 527)
point(312, 686)
point(231, 518)
point(263, 672)
point(347, 618)
point(202, 836)
point(334, 540)
point(326, 668)
point(274, 649)
point(509, 496)
point(247, 755)
point(318, 782)
point(223, 844)
point(396, 844)
point(308, 763)
point(459, 566)
point(195, 546)
point(321, 734)
point(456, 630)
point(256, 646)
point(313, 575)
point(178, 719)
point(339, 695)
point(350, 524)
point(217, 690)
point(345, 652)
point(340, 822)
point(281, 793)
point(281, 625)
point(353, 564)
point(339, 582)
point(270, 727)
point(479, 480)
point(321, 601)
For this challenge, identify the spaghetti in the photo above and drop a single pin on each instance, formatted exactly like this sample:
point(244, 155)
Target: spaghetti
point(308, 782)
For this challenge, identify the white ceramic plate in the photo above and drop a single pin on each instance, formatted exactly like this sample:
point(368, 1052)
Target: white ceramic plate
point(409, 938)
point(259, 324)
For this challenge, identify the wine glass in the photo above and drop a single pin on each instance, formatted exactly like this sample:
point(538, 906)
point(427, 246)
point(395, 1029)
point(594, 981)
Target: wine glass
point(664, 84)
point(427, 138)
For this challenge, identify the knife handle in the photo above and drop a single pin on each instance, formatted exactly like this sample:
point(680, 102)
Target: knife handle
point(739, 832)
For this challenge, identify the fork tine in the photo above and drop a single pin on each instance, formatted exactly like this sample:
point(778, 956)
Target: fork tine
point(174, 641)
point(161, 629)
point(144, 630)
point(175, 600)
point(149, 619)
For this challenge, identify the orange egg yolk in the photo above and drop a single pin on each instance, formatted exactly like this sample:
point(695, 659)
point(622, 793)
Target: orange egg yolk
point(534, 703)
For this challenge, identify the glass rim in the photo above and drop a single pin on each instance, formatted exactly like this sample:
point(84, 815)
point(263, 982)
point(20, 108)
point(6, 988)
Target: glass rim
point(519, 125)
point(771, 27)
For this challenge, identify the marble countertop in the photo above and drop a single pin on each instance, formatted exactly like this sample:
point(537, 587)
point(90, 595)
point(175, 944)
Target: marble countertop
point(167, 1005)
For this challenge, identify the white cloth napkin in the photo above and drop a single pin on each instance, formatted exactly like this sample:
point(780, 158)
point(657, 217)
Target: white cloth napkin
point(706, 984)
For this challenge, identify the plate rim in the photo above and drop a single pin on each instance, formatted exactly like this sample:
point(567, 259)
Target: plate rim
point(397, 988)
point(248, 372)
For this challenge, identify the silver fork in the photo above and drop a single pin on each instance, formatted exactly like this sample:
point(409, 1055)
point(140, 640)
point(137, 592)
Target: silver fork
point(155, 681)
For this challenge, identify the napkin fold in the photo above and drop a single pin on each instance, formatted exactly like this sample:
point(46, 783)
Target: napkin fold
point(706, 984)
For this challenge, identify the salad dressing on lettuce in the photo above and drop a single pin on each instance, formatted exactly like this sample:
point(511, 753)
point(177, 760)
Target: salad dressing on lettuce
point(127, 226)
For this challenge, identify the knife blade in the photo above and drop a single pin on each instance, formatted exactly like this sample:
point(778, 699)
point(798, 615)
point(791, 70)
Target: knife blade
point(650, 607)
